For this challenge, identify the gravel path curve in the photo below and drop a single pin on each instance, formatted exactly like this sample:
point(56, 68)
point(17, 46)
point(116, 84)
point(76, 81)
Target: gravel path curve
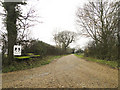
point(66, 72)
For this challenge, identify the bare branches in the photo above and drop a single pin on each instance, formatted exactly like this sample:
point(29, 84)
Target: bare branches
point(25, 22)
point(97, 19)
point(64, 38)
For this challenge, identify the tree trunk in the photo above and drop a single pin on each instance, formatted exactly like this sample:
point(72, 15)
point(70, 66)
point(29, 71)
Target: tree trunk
point(11, 29)
point(118, 34)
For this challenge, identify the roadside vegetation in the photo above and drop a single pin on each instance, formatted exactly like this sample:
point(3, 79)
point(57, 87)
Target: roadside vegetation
point(34, 54)
point(96, 20)
point(112, 64)
point(100, 22)
point(28, 64)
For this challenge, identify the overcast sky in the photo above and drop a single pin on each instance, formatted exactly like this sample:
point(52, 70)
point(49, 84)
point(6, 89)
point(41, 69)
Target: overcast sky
point(56, 15)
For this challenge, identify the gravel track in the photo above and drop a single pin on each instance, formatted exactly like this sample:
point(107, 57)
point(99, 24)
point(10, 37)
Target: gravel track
point(66, 72)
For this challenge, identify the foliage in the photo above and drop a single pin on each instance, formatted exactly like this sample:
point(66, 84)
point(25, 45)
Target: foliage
point(80, 55)
point(113, 64)
point(12, 13)
point(35, 62)
point(41, 48)
point(30, 54)
point(16, 23)
point(99, 20)
point(79, 51)
point(98, 51)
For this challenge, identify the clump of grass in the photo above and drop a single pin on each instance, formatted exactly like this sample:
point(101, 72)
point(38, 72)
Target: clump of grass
point(36, 55)
point(113, 64)
point(81, 55)
point(29, 54)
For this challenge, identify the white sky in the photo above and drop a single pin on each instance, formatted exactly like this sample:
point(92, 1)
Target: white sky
point(56, 14)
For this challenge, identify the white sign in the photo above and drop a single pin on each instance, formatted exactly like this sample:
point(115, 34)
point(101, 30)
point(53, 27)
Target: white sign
point(17, 50)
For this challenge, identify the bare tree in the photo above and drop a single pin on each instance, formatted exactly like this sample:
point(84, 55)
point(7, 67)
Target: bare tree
point(25, 22)
point(99, 21)
point(118, 34)
point(16, 33)
point(11, 25)
point(64, 38)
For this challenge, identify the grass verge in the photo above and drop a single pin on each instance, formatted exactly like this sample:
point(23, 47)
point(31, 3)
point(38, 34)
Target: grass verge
point(31, 63)
point(112, 64)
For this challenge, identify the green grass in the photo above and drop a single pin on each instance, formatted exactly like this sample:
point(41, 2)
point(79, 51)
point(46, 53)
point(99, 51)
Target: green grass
point(29, 54)
point(36, 55)
point(31, 63)
point(113, 64)
point(32, 55)
point(80, 56)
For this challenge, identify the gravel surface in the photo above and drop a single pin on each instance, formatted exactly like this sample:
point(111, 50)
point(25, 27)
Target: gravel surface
point(66, 72)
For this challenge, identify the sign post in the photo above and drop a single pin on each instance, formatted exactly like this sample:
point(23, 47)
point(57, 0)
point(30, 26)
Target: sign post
point(17, 50)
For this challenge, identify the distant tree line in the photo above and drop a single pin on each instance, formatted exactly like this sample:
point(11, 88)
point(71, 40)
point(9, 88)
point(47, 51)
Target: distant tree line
point(41, 48)
point(100, 21)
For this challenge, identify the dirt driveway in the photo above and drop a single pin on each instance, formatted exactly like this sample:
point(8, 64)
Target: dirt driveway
point(66, 72)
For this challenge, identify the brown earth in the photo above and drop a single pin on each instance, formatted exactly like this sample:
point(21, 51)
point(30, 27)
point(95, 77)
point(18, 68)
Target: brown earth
point(66, 72)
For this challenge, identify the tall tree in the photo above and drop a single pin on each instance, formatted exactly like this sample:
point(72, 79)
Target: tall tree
point(11, 18)
point(64, 38)
point(99, 21)
point(118, 35)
